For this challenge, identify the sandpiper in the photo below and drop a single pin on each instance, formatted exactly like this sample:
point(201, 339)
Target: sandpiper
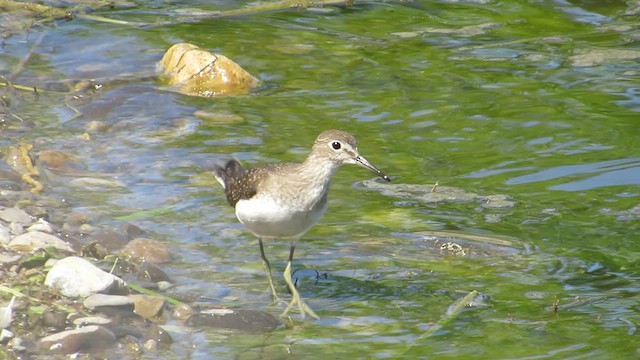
point(284, 200)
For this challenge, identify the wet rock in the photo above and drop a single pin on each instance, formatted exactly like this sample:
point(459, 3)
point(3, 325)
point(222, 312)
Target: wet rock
point(86, 339)
point(86, 229)
point(603, 56)
point(54, 319)
point(158, 335)
point(109, 239)
point(15, 344)
point(56, 160)
point(76, 277)
point(438, 194)
point(132, 231)
point(201, 73)
point(42, 226)
point(151, 345)
point(5, 236)
point(15, 215)
point(146, 249)
point(182, 312)
point(147, 306)
point(96, 126)
point(109, 303)
point(462, 244)
point(94, 250)
point(96, 183)
point(91, 320)
point(235, 319)
point(131, 347)
point(152, 272)
point(38, 240)
point(5, 336)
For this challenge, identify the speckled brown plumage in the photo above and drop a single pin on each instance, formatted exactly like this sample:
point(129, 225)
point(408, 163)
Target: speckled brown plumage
point(242, 184)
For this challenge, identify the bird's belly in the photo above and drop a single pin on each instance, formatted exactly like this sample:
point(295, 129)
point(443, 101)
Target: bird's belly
point(270, 219)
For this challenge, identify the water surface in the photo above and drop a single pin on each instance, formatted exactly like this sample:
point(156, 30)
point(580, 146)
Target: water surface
point(529, 99)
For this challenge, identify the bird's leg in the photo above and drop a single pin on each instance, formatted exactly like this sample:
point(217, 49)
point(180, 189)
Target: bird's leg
point(295, 296)
point(267, 269)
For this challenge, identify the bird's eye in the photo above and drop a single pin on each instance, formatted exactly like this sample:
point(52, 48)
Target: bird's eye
point(336, 145)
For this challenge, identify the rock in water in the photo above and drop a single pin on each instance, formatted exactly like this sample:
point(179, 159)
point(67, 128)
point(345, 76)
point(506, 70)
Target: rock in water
point(38, 240)
point(85, 339)
point(76, 277)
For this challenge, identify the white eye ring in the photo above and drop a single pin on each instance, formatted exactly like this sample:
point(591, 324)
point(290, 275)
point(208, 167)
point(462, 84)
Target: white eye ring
point(336, 145)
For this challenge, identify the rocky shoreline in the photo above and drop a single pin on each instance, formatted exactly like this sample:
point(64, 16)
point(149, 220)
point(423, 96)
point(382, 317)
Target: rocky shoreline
point(72, 286)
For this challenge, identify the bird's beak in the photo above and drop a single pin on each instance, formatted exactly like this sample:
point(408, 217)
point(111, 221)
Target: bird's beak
point(359, 160)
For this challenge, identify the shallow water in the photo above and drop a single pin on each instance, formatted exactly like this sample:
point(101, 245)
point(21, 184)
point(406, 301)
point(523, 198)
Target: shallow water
point(488, 97)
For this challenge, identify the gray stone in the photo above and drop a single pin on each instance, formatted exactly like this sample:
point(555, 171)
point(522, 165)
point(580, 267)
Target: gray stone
point(15, 215)
point(6, 314)
point(76, 277)
point(91, 320)
point(9, 259)
point(96, 301)
point(5, 335)
point(5, 236)
point(38, 240)
point(85, 339)
point(42, 225)
point(16, 228)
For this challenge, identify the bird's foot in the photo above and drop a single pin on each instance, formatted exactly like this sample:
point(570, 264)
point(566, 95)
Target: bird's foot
point(303, 308)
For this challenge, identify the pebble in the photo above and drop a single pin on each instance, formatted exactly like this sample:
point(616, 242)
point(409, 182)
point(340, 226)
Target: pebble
point(150, 250)
point(153, 273)
point(15, 215)
point(42, 225)
point(182, 312)
point(38, 240)
point(85, 339)
point(109, 239)
point(5, 335)
point(16, 228)
point(159, 335)
point(96, 301)
point(91, 320)
point(76, 277)
point(147, 306)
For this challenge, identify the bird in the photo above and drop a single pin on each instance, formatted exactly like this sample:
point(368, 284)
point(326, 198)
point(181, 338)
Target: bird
point(284, 200)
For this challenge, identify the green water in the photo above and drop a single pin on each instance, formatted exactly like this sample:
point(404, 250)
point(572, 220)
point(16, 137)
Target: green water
point(487, 96)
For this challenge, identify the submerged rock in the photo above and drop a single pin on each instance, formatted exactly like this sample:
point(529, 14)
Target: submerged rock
point(235, 319)
point(147, 306)
point(85, 339)
point(150, 250)
point(438, 194)
point(76, 277)
point(38, 240)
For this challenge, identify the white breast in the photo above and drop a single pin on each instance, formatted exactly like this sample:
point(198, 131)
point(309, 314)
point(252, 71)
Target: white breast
point(268, 218)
